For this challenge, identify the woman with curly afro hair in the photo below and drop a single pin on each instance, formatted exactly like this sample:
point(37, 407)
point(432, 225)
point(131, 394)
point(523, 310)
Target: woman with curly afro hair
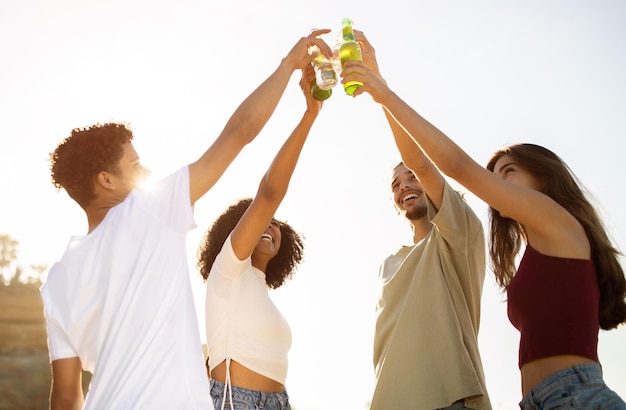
point(245, 253)
point(279, 268)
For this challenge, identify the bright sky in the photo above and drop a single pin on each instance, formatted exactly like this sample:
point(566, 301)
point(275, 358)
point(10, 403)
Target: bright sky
point(488, 74)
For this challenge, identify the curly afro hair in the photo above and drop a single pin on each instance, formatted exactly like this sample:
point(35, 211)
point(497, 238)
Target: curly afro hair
point(77, 160)
point(280, 267)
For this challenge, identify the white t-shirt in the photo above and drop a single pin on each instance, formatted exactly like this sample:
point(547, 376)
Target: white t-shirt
point(120, 299)
point(242, 322)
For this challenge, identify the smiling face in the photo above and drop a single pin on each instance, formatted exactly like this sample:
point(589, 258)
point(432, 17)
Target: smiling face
point(408, 194)
point(269, 244)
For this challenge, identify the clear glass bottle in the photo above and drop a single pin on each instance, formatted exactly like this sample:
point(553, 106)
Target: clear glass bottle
point(325, 75)
point(349, 51)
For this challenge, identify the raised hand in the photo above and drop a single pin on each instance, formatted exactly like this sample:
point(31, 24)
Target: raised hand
point(372, 82)
point(299, 55)
point(367, 51)
point(366, 71)
point(312, 105)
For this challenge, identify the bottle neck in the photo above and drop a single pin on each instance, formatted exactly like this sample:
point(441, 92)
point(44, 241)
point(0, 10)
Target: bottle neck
point(346, 30)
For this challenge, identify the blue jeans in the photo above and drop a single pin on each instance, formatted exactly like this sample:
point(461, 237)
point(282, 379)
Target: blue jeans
point(247, 399)
point(577, 387)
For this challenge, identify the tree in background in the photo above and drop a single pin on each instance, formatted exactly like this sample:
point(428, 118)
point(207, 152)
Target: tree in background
point(8, 257)
point(24, 360)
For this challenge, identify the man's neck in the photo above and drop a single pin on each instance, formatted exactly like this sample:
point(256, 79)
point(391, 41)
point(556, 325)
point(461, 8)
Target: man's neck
point(97, 211)
point(94, 217)
point(421, 227)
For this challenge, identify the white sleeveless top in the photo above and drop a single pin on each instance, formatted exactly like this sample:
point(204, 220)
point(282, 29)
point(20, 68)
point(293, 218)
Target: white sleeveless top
point(242, 322)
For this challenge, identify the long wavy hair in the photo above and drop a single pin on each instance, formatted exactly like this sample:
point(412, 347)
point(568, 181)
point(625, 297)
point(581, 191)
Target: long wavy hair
point(77, 160)
point(280, 268)
point(560, 184)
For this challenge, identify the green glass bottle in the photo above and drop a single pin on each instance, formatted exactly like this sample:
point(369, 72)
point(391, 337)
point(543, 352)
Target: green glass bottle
point(349, 51)
point(318, 93)
point(325, 76)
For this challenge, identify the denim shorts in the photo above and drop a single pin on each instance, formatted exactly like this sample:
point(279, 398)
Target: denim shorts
point(247, 399)
point(577, 387)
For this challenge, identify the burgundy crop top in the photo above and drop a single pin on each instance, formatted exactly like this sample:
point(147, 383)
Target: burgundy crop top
point(553, 302)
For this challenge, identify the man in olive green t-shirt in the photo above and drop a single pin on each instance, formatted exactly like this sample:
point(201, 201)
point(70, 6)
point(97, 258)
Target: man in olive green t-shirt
point(428, 313)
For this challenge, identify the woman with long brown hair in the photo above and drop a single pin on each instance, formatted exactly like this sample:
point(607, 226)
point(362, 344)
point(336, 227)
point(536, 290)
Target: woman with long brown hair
point(568, 284)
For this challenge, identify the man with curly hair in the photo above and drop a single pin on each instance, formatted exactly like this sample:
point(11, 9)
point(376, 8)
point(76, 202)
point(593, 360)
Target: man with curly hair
point(119, 302)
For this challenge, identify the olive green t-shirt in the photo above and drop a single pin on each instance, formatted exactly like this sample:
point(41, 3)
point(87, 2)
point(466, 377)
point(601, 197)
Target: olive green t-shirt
point(428, 313)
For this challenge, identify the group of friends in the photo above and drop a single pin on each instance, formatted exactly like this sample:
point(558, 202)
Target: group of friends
point(119, 302)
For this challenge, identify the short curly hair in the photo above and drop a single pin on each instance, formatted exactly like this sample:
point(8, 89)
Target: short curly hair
point(280, 268)
point(77, 160)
